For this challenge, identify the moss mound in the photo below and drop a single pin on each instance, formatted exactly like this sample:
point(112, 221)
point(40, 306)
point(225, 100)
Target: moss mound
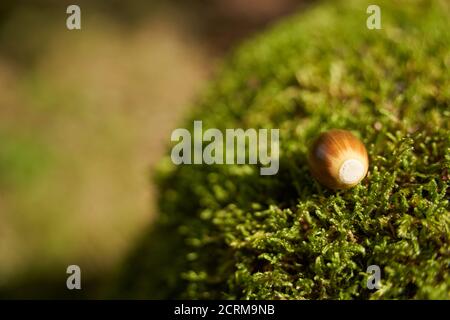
point(227, 232)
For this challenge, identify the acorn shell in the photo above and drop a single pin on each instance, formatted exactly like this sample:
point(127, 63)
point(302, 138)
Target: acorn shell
point(338, 159)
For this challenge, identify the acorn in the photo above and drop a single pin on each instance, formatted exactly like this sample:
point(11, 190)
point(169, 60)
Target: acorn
point(338, 159)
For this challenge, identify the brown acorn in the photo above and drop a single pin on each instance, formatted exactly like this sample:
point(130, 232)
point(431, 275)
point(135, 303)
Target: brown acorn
point(338, 159)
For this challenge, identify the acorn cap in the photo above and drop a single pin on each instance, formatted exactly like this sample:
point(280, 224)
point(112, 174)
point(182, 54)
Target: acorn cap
point(338, 159)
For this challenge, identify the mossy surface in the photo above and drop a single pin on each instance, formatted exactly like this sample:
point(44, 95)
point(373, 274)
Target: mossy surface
point(227, 232)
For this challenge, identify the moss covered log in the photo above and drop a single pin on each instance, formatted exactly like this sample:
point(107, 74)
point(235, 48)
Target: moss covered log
point(225, 231)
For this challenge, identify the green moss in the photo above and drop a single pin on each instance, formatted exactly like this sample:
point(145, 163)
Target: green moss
point(230, 233)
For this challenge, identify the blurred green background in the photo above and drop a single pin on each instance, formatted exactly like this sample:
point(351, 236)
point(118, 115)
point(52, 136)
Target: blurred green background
point(84, 116)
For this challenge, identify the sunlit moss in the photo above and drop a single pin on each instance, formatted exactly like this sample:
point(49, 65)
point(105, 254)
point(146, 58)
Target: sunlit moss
point(234, 234)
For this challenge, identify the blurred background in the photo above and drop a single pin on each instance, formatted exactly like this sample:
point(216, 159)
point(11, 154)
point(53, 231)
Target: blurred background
point(86, 114)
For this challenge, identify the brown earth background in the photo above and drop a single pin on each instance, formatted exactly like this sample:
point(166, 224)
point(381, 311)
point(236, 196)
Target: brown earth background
point(84, 117)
